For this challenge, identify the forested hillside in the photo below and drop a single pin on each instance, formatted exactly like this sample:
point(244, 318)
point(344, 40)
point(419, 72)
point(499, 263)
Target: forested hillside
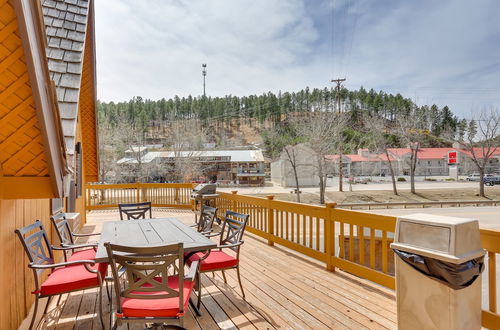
point(247, 117)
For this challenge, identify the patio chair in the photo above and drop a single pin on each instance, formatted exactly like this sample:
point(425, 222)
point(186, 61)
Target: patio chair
point(231, 235)
point(206, 220)
point(67, 238)
point(64, 277)
point(155, 290)
point(135, 210)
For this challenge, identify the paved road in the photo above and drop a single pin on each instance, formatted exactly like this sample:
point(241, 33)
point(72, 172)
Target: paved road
point(488, 216)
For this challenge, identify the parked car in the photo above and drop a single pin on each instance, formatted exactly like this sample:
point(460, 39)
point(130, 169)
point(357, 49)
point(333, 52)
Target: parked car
point(361, 180)
point(491, 180)
point(473, 177)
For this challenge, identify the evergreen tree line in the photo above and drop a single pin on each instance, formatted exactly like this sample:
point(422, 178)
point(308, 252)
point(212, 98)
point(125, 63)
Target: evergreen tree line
point(144, 114)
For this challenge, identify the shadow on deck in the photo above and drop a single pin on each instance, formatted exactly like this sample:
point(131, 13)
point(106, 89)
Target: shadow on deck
point(283, 289)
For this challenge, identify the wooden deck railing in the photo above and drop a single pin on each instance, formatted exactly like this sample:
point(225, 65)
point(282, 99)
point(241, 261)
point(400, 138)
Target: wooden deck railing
point(159, 194)
point(355, 242)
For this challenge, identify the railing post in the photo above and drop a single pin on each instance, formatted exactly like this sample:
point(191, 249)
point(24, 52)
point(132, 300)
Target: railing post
point(176, 199)
point(329, 236)
point(234, 192)
point(87, 193)
point(270, 220)
point(137, 192)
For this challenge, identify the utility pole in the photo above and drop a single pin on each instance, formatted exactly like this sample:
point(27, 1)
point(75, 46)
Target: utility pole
point(204, 73)
point(337, 97)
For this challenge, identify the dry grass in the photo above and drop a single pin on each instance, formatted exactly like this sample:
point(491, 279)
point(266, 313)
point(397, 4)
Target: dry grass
point(384, 196)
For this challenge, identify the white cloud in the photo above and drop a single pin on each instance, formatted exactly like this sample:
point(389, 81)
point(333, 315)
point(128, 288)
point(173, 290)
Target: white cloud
point(432, 50)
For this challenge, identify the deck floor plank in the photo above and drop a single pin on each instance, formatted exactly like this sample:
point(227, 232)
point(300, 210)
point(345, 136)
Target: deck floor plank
point(283, 290)
point(314, 301)
point(334, 291)
point(238, 318)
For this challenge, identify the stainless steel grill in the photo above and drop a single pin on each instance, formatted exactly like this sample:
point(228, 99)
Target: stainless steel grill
point(204, 189)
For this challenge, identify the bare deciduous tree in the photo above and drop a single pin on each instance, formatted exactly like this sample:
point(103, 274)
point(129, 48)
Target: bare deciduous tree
point(286, 141)
point(481, 139)
point(322, 132)
point(186, 139)
point(411, 133)
point(379, 141)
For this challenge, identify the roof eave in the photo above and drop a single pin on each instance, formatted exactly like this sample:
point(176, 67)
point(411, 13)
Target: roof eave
point(31, 28)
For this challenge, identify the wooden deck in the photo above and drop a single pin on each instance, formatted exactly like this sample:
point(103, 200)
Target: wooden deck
point(283, 290)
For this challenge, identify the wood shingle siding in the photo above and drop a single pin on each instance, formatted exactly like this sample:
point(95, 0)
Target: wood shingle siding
point(66, 24)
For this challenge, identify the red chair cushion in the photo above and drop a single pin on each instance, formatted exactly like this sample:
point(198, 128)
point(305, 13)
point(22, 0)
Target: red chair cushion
point(88, 254)
point(166, 307)
point(215, 260)
point(71, 278)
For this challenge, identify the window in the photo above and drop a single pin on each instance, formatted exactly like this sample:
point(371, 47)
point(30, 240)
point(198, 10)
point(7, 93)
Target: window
point(56, 205)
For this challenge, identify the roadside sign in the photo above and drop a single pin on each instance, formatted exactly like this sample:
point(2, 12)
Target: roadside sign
point(452, 157)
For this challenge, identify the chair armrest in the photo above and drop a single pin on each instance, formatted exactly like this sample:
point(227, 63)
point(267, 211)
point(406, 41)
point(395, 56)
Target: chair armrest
point(192, 271)
point(75, 246)
point(62, 264)
point(214, 234)
point(85, 235)
point(230, 245)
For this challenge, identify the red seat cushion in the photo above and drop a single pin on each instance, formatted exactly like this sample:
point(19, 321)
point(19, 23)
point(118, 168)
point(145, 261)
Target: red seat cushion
point(165, 307)
point(215, 260)
point(88, 254)
point(71, 278)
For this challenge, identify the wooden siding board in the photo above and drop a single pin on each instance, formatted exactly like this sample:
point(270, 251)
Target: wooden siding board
point(87, 108)
point(16, 298)
point(28, 141)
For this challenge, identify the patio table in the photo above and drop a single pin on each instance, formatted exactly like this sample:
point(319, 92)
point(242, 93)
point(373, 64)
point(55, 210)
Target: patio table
point(151, 232)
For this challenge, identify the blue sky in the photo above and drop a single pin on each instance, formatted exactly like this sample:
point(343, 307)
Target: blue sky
point(443, 52)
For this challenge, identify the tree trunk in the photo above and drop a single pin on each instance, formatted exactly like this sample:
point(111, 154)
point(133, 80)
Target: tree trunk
point(341, 173)
point(293, 163)
point(413, 165)
point(297, 187)
point(321, 190)
point(481, 183)
point(394, 188)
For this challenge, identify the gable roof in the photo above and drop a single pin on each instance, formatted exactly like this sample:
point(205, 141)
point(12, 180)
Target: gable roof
point(66, 25)
point(233, 155)
point(32, 159)
point(434, 153)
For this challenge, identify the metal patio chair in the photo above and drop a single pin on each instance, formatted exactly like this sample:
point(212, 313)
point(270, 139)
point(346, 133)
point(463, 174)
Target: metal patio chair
point(64, 277)
point(135, 211)
point(206, 219)
point(67, 239)
point(231, 235)
point(155, 290)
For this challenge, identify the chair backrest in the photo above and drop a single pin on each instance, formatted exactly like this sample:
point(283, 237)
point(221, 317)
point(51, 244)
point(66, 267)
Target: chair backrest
point(148, 269)
point(207, 217)
point(233, 228)
point(135, 210)
point(36, 244)
point(62, 228)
